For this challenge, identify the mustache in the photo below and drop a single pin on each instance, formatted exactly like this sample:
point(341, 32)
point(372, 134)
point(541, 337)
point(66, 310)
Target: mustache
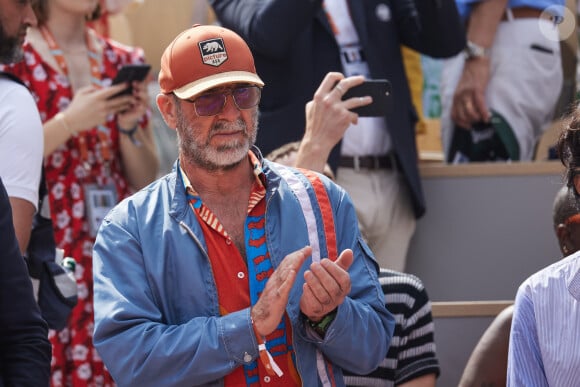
point(226, 126)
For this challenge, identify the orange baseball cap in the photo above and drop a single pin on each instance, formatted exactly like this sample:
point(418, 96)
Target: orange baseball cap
point(203, 57)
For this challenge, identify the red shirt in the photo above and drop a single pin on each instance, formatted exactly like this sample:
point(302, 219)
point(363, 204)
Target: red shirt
point(232, 277)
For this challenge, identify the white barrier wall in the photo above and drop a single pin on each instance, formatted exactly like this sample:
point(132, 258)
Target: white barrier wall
point(487, 227)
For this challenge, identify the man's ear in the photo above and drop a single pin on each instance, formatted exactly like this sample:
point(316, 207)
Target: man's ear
point(563, 235)
point(166, 105)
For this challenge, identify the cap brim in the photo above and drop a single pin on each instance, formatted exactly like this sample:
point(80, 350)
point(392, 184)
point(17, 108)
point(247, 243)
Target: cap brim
point(194, 88)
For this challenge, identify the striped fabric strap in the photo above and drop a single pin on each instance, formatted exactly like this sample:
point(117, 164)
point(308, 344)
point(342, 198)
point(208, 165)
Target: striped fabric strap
point(304, 200)
point(299, 189)
point(326, 210)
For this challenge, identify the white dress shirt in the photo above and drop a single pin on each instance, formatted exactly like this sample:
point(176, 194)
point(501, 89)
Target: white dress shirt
point(544, 347)
point(369, 136)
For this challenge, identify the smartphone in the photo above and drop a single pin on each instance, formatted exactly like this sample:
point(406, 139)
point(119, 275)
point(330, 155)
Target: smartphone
point(379, 90)
point(130, 73)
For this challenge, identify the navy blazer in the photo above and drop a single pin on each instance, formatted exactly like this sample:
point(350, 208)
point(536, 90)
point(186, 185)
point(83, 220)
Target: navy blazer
point(294, 48)
point(24, 347)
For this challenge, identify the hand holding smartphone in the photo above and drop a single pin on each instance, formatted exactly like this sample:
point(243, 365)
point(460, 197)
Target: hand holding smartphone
point(130, 73)
point(379, 90)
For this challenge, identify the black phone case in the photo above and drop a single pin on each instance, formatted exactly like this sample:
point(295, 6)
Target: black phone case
point(379, 90)
point(130, 73)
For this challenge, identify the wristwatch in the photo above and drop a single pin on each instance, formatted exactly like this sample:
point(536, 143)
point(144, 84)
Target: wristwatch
point(321, 326)
point(474, 51)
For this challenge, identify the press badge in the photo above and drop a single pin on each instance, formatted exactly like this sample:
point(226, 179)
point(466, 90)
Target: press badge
point(99, 200)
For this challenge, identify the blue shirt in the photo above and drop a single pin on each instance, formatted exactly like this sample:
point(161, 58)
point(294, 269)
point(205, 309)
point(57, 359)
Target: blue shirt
point(464, 6)
point(545, 334)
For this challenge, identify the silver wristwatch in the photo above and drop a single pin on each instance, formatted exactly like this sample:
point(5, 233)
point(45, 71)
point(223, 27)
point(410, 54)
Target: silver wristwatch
point(473, 51)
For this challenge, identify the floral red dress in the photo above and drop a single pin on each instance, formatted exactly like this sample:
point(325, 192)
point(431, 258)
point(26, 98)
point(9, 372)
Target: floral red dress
point(75, 362)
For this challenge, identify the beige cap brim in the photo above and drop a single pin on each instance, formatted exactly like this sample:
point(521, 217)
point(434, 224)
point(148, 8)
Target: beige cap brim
point(194, 88)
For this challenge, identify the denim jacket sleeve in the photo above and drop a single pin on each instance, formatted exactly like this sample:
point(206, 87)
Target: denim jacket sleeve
point(164, 342)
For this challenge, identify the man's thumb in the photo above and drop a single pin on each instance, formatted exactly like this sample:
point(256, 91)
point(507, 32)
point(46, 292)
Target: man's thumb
point(345, 259)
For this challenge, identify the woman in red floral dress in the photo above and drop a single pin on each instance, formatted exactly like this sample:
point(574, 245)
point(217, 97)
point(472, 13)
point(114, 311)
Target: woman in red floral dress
point(98, 149)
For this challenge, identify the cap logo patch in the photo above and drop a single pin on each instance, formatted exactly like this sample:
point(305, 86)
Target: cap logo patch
point(213, 51)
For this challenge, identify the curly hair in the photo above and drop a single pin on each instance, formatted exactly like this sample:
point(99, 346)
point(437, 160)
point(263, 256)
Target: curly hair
point(568, 147)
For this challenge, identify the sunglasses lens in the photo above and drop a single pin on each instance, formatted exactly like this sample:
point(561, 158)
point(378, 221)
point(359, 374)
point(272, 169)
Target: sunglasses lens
point(247, 97)
point(209, 104)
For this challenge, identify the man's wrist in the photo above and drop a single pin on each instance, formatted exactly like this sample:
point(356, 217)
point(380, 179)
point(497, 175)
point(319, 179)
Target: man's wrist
point(475, 51)
point(310, 146)
point(60, 117)
point(311, 155)
point(131, 134)
point(322, 325)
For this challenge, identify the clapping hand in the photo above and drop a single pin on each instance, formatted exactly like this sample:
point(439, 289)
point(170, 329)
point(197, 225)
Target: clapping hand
point(327, 284)
point(268, 311)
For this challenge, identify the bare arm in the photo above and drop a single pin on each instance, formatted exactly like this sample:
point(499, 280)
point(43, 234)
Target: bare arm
point(141, 162)
point(140, 153)
point(469, 99)
point(20, 157)
point(22, 215)
point(487, 364)
point(88, 108)
point(484, 20)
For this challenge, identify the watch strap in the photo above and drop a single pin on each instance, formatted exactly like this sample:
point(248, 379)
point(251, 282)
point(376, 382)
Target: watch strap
point(321, 326)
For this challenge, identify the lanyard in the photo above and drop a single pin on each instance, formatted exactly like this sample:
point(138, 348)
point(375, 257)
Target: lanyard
point(58, 55)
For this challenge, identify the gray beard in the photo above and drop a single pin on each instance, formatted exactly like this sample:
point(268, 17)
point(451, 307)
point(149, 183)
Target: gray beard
point(222, 158)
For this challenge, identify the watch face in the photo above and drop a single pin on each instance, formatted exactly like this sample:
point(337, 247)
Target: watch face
point(473, 50)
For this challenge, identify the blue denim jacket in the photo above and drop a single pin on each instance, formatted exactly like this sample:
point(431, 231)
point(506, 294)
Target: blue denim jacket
point(157, 319)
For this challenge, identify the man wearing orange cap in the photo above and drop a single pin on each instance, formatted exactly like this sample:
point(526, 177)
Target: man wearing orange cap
point(232, 270)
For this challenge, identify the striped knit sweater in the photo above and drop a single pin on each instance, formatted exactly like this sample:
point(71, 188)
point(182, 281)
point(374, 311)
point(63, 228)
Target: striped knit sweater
point(412, 350)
